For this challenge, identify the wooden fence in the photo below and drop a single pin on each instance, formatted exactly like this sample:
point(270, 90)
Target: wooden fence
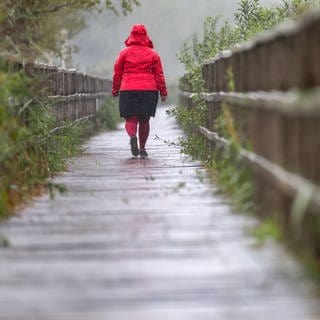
point(275, 106)
point(74, 94)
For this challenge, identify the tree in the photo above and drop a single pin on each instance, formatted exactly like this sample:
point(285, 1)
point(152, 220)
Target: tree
point(31, 29)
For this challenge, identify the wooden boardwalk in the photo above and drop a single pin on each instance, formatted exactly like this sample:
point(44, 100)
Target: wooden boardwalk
point(143, 240)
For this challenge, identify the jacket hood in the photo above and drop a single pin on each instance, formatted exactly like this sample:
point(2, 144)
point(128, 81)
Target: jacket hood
point(139, 36)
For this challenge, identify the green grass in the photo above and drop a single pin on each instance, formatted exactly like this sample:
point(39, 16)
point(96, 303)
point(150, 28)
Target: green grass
point(108, 115)
point(267, 229)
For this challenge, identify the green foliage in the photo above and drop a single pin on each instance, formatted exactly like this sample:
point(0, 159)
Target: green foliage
point(192, 145)
point(33, 146)
point(296, 8)
point(33, 29)
point(189, 119)
point(250, 18)
point(108, 115)
point(267, 229)
point(214, 40)
point(233, 177)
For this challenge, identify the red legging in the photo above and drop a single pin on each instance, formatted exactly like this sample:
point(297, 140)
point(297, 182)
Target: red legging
point(131, 126)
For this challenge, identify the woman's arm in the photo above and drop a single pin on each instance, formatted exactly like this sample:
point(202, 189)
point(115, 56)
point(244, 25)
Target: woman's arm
point(159, 77)
point(117, 75)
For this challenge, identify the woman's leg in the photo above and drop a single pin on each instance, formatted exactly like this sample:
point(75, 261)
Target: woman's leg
point(131, 125)
point(144, 128)
point(131, 128)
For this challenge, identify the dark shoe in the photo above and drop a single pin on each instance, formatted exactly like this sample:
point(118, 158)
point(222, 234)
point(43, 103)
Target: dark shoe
point(134, 146)
point(143, 153)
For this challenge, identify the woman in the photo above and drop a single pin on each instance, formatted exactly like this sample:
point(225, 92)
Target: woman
point(138, 78)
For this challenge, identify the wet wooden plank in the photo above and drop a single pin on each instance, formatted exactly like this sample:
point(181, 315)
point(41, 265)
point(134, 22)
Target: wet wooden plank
point(143, 239)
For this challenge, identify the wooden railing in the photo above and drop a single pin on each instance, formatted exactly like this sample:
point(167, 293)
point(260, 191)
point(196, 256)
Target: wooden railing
point(275, 105)
point(73, 94)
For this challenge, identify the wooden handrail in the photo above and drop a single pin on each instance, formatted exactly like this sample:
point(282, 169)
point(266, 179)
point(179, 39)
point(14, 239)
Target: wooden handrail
point(74, 94)
point(271, 88)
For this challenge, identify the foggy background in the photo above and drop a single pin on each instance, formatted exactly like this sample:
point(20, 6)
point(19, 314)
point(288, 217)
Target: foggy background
point(169, 24)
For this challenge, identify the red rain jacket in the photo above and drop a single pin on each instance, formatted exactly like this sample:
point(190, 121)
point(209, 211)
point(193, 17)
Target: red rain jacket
point(138, 66)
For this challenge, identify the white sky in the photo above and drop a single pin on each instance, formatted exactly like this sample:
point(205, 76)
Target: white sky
point(168, 26)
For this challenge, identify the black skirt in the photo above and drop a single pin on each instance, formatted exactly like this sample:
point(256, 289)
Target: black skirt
point(138, 103)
